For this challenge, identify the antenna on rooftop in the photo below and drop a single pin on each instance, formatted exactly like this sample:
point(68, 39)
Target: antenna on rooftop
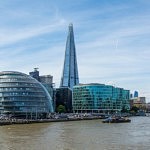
point(36, 69)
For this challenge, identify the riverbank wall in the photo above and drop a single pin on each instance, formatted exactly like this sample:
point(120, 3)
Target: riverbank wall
point(25, 121)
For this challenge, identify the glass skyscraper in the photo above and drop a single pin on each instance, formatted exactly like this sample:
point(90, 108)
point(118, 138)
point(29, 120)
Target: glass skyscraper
point(136, 94)
point(70, 70)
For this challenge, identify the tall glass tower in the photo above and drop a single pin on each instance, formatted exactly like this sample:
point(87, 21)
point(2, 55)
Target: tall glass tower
point(70, 71)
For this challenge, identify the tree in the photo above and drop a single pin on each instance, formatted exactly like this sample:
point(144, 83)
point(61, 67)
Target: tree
point(134, 109)
point(124, 110)
point(61, 109)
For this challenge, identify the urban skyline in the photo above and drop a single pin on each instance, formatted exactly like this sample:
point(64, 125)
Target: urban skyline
point(111, 39)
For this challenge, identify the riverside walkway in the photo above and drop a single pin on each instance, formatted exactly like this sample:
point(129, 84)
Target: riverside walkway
point(29, 121)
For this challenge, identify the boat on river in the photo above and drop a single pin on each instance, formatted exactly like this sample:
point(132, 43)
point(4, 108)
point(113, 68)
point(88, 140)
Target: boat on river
point(116, 120)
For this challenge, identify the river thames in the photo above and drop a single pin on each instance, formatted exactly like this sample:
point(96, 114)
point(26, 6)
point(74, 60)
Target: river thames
point(77, 135)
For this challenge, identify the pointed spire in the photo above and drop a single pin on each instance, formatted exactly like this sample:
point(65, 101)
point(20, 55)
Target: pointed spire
point(70, 69)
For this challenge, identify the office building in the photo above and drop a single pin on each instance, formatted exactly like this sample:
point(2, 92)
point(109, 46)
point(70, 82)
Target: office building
point(64, 97)
point(70, 70)
point(46, 80)
point(139, 102)
point(96, 97)
point(136, 94)
point(35, 74)
point(23, 96)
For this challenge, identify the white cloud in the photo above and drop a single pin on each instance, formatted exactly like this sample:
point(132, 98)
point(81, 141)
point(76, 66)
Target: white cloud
point(13, 36)
point(98, 29)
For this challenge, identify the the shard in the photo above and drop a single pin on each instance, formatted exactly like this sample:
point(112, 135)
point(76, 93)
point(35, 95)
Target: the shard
point(70, 70)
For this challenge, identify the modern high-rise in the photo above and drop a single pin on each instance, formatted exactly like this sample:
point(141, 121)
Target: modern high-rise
point(70, 70)
point(136, 94)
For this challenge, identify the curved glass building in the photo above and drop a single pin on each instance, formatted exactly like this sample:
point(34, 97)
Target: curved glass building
point(23, 96)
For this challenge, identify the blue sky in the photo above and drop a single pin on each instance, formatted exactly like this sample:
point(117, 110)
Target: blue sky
point(111, 36)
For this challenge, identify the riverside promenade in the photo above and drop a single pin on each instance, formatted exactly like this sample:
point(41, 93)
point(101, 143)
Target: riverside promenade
point(31, 121)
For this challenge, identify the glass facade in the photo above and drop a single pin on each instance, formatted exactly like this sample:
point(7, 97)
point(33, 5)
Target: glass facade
point(64, 97)
point(70, 70)
point(99, 97)
point(136, 94)
point(22, 95)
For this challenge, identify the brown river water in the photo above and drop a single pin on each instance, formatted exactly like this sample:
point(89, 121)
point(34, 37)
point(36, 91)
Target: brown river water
point(77, 135)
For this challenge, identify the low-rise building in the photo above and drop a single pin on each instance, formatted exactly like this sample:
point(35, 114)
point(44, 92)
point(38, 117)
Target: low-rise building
point(23, 96)
point(148, 107)
point(97, 97)
point(139, 102)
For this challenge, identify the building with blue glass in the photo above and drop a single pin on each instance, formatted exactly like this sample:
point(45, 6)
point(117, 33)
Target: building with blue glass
point(23, 96)
point(70, 70)
point(136, 94)
point(69, 76)
point(47, 81)
point(96, 97)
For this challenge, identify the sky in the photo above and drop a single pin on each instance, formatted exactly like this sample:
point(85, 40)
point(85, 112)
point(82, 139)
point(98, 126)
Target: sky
point(111, 37)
